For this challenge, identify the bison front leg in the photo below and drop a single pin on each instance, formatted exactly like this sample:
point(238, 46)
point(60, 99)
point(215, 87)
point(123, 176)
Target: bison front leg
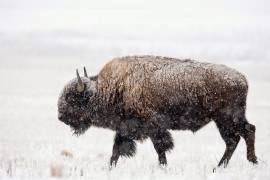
point(123, 146)
point(162, 141)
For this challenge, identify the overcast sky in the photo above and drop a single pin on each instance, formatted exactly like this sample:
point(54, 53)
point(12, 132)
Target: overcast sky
point(100, 29)
point(242, 6)
point(30, 15)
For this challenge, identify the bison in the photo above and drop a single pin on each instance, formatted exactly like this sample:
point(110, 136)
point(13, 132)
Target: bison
point(146, 96)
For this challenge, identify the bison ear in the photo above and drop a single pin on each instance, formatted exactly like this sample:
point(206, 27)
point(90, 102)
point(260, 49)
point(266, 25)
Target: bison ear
point(93, 83)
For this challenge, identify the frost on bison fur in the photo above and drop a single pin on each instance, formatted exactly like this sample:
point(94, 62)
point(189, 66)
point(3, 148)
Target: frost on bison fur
point(145, 96)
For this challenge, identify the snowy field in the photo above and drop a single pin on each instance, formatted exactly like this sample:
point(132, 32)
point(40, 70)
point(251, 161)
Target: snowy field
point(41, 49)
point(32, 139)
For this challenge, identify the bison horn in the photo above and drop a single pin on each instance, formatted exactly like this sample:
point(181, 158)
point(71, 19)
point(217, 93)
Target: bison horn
point(80, 86)
point(85, 73)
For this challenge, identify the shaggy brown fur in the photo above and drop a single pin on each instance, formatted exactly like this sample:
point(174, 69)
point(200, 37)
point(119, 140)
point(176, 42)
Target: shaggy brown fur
point(145, 96)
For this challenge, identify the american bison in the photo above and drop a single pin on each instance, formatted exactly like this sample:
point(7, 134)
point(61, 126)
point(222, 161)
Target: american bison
point(146, 96)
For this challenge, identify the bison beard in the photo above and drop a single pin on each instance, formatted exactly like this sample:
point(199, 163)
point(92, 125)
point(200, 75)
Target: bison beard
point(145, 96)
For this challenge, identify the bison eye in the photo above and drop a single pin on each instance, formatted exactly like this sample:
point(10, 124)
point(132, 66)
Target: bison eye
point(88, 94)
point(70, 98)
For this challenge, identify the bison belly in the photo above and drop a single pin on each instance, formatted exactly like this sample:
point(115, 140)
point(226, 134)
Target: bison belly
point(188, 118)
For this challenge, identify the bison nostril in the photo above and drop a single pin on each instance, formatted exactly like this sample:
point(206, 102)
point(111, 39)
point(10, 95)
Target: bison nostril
point(60, 116)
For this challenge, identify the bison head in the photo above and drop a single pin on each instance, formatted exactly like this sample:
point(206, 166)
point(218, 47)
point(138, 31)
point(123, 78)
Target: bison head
point(74, 103)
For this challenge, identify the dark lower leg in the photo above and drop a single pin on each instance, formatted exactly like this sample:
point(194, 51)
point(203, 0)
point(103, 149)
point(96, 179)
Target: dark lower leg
point(162, 158)
point(228, 132)
point(230, 148)
point(162, 142)
point(248, 133)
point(114, 158)
point(122, 147)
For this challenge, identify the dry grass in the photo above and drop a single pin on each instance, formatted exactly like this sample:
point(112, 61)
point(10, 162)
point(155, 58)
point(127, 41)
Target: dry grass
point(66, 153)
point(56, 170)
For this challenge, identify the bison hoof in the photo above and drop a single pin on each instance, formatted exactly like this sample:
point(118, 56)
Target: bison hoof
point(163, 161)
point(253, 160)
point(113, 162)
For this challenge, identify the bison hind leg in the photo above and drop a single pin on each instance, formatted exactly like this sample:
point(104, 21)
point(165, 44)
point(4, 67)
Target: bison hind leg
point(229, 134)
point(231, 129)
point(247, 131)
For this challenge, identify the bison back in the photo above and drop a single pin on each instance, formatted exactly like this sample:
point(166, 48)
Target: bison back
point(145, 85)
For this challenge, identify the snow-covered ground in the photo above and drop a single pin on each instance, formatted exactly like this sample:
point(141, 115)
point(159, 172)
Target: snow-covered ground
point(42, 45)
point(32, 139)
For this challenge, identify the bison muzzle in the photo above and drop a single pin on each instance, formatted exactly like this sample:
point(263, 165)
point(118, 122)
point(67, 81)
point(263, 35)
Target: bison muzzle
point(146, 96)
